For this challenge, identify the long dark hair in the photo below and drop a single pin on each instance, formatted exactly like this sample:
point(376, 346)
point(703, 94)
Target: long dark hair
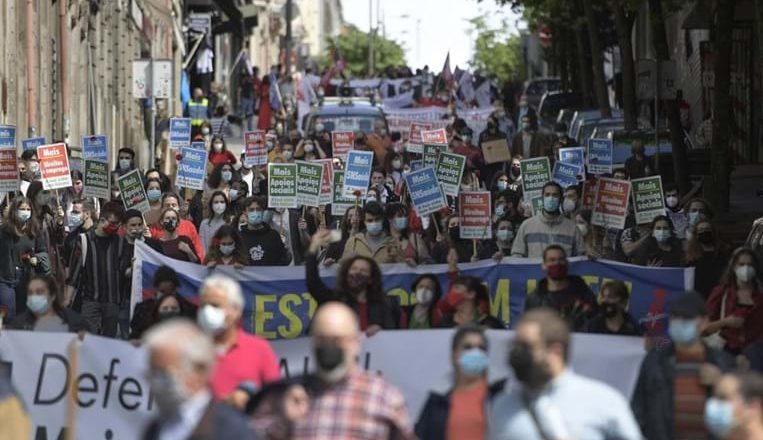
point(31, 193)
point(436, 295)
point(217, 137)
point(213, 253)
point(392, 210)
point(31, 228)
point(209, 205)
point(52, 286)
point(729, 277)
point(481, 295)
point(375, 292)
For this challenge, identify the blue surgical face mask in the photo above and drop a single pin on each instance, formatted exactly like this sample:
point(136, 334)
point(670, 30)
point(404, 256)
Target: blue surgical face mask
point(75, 220)
point(374, 228)
point(695, 217)
point(719, 417)
point(24, 215)
point(38, 304)
point(683, 331)
point(500, 210)
point(233, 194)
point(226, 175)
point(473, 362)
point(504, 234)
point(550, 204)
point(502, 185)
point(401, 223)
point(154, 194)
point(227, 249)
point(254, 217)
point(661, 235)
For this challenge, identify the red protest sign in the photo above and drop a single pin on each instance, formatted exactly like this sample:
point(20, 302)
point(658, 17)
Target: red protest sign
point(54, 166)
point(611, 204)
point(255, 149)
point(415, 143)
point(9, 172)
point(474, 214)
point(327, 184)
point(434, 137)
point(342, 142)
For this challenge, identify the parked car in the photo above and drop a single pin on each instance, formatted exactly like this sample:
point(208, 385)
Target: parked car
point(552, 102)
point(345, 114)
point(581, 115)
point(588, 127)
point(535, 88)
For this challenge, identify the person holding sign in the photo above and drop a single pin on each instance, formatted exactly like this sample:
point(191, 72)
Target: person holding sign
point(376, 242)
point(548, 227)
point(500, 247)
point(262, 245)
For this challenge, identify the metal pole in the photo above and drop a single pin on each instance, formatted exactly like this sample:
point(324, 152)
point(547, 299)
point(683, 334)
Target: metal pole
point(152, 148)
point(370, 38)
point(288, 38)
point(656, 114)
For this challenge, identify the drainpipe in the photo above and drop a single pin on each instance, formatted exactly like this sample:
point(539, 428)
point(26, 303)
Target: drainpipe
point(63, 44)
point(31, 84)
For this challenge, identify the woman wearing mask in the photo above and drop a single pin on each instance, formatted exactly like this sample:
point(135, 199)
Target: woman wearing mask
point(662, 248)
point(411, 243)
point(220, 179)
point(675, 211)
point(708, 255)
point(226, 249)
point(698, 209)
point(309, 149)
point(501, 245)
point(461, 413)
point(44, 310)
point(239, 191)
point(168, 307)
point(507, 206)
point(350, 225)
point(50, 218)
point(358, 284)
point(218, 216)
point(424, 314)
point(467, 301)
point(451, 239)
point(23, 253)
point(219, 154)
point(735, 306)
point(515, 174)
point(612, 317)
point(154, 195)
point(166, 284)
point(500, 182)
point(376, 242)
point(173, 245)
point(393, 165)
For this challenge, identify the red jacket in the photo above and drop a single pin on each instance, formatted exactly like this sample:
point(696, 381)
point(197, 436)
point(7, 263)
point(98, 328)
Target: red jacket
point(737, 338)
point(221, 158)
point(186, 229)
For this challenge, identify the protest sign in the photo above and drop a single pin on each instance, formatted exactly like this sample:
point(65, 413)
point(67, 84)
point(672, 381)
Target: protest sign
point(255, 148)
point(434, 137)
point(566, 174)
point(599, 156)
point(198, 146)
point(97, 182)
point(180, 132)
point(341, 143)
point(415, 142)
point(575, 156)
point(339, 203)
point(589, 192)
point(282, 185)
point(277, 304)
point(327, 180)
point(431, 152)
point(496, 151)
point(309, 180)
point(648, 200)
point(9, 171)
point(32, 143)
point(7, 137)
point(357, 173)
point(416, 165)
point(434, 141)
point(475, 215)
point(132, 192)
point(95, 147)
point(611, 204)
point(449, 170)
point(192, 168)
point(54, 166)
point(426, 193)
point(536, 172)
point(536, 202)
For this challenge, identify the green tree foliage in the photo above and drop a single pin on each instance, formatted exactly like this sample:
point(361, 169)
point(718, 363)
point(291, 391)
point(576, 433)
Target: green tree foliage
point(353, 47)
point(497, 52)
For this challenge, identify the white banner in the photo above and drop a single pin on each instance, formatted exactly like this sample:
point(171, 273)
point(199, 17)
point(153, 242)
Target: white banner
point(114, 397)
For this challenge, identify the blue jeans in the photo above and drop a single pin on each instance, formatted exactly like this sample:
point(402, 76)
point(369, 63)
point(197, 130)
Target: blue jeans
point(8, 300)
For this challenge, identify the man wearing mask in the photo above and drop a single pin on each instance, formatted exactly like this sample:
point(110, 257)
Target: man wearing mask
point(675, 381)
point(491, 133)
point(181, 361)
point(81, 221)
point(676, 212)
point(96, 272)
point(125, 161)
point(735, 412)
point(613, 319)
point(550, 226)
point(571, 203)
point(261, 243)
point(568, 295)
point(198, 110)
point(639, 164)
point(244, 362)
point(550, 401)
point(348, 402)
point(528, 142)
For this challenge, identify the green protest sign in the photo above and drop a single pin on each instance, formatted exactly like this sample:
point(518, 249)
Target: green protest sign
point(97, 182)
point(282, 185)
point(309, 178)
point(648, 201)
point(132, 191)
point(431, 151)
point(536, 172)
point(449, 169)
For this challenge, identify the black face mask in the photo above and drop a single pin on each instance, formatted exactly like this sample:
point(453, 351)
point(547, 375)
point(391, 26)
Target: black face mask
point(170, 225)
point(532, 375)
point(328, 356)
point(455, 233)
point(515, 171)
point(610, 310)
point(163, 316)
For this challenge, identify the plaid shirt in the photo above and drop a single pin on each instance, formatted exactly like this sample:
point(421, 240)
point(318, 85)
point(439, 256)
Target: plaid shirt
point(363, 407)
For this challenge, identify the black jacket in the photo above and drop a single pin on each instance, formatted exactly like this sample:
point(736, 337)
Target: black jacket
point(264, 247)
point(385, 314)
point(433, 420)
point(576, 304)
point(652, 400)
point(26, 321)
point(219, 421)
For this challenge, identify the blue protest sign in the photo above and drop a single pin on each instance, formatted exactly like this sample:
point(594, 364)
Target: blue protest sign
point(95, 147)
point(426, 192)
point(32, 143)
point(7, 137)
point(192, 168)
point(357, 174)
point(599, 156)
point(198, 145)
point(180, 132)
point(565, 174)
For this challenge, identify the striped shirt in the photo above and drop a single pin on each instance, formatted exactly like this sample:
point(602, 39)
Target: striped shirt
point(102, 275)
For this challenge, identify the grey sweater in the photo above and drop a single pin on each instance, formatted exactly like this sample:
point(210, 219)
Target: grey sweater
point(538, 232)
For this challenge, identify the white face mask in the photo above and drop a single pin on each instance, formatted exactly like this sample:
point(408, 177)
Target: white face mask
point(218, 207)
point(744, 274)
point(424, 295)
point(218, 146)
point(671, 201)
point(309, 148)
point(211, 319)
point(397, 164)
point(287, 154)
point(205, 130)
point(568, 205)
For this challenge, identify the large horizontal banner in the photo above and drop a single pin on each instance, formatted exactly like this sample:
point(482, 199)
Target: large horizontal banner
point(115, 401)
point(279, 306)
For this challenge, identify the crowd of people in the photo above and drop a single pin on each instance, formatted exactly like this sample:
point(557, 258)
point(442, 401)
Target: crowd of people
point(67, 266)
